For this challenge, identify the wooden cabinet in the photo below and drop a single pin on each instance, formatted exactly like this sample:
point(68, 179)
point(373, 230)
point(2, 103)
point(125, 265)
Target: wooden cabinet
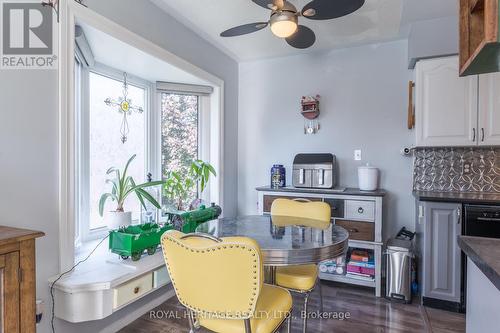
point(17, 280)
point(356, 211)
point(479, 37)
point(441, 271)
point(489, 109)
point(446, 105)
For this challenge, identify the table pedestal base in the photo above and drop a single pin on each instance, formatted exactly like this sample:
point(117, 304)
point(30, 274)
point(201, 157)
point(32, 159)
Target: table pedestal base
point(270, 274)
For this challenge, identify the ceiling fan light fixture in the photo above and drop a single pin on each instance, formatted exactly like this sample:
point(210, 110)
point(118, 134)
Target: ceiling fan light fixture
point(284, 24)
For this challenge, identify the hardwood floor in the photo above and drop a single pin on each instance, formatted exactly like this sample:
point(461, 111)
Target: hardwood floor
point(366, 314)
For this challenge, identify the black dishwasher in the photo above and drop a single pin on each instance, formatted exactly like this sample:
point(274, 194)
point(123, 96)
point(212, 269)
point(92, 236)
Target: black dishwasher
point(482, 221)
point(479, 221)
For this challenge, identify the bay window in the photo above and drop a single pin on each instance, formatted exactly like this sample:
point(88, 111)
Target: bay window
point(172, 131)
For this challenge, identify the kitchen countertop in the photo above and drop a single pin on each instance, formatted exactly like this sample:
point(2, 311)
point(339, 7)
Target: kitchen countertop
point(346, 191)
point(463, 197)
point(485, 253)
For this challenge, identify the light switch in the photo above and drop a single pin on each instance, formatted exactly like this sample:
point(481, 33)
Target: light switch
point(357, 155)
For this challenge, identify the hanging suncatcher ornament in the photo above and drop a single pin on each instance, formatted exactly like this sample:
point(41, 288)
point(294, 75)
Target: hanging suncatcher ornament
point(125, 107)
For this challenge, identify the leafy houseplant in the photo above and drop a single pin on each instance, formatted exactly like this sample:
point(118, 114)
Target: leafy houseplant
point(121, 187)
point(177, 186)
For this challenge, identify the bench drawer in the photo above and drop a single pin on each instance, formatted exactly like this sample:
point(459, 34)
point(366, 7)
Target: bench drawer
point(363, 231)
point(360, 210)
point(132, 290)
point(160, 277)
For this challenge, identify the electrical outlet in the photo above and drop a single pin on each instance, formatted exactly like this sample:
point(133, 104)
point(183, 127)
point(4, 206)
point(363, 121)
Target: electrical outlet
point(357, 155)
point(466, 170)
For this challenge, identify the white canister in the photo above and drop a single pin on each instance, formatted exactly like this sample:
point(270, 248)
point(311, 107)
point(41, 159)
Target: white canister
point(367, 178)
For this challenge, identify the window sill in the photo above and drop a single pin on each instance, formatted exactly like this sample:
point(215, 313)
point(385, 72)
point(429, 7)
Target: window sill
point(90, 291)
point(104, 270)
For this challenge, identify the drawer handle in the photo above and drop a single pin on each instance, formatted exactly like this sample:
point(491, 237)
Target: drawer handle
point(353, 230)
point(136, 290)
point(360, 210)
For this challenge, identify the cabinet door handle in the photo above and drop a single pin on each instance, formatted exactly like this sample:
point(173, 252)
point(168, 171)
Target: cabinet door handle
point(411, 112)
point(473, 135)
point(301, 200)
point(360, 210)
point(482, 134)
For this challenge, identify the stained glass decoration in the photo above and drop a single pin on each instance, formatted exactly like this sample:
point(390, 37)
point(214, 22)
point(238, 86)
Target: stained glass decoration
point(125, 106)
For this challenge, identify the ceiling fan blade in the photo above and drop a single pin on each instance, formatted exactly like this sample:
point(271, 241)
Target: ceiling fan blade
point(270, 4)
point(329, 9)
point(302, 38)
point(244, 29)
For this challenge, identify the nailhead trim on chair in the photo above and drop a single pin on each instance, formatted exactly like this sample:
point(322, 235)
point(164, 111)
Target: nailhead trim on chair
point(253, 300)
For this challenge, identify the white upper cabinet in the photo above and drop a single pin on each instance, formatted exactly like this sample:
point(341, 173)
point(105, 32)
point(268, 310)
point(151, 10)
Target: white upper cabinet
point(489, 109)
point(446, 104)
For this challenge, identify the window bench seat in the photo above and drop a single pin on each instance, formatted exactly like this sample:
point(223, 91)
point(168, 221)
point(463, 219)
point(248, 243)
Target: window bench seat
point(105, 284)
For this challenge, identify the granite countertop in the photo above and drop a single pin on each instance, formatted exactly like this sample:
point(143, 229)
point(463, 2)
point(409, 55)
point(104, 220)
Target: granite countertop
point(464, 197)
point(339, 191)
point(485, 253)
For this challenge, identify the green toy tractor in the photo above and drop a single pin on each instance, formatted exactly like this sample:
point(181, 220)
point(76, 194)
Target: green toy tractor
point(188, 221)
point(133, 240)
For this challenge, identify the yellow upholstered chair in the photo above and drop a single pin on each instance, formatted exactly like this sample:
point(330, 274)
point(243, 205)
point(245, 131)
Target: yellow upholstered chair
point(220, 282)
point(301, 278)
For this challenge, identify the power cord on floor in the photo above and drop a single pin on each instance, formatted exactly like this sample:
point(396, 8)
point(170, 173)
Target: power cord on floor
point(62, 274)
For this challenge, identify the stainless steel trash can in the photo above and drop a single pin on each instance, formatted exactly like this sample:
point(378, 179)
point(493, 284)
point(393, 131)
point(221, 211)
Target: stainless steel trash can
point(399, 256)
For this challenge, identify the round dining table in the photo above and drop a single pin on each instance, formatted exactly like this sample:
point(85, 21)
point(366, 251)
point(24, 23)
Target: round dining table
point(284, 240)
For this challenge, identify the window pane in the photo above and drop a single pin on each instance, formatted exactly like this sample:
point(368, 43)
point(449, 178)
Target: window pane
point(106, 149)
point(179, 135)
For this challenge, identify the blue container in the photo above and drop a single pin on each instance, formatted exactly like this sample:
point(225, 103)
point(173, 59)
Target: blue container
point(278, 176)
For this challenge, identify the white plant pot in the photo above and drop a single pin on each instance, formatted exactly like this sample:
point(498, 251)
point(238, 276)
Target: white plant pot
point(119, 219)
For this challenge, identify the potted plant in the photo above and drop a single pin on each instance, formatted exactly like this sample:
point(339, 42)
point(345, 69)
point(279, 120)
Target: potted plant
point(177, 186)
point(121, 187)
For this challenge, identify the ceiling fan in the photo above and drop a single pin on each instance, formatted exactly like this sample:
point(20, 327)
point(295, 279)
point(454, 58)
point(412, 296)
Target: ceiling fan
point(285, 16)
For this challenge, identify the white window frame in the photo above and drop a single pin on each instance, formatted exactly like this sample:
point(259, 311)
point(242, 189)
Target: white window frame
point(204, 127)
point(70, 13)
point(83, 149)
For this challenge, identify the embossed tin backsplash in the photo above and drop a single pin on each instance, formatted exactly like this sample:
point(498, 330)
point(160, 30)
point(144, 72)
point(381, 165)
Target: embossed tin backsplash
point(445, 170)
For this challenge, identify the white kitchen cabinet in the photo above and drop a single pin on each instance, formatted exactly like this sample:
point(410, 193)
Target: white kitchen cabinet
point(489, 110)
point(446, 104)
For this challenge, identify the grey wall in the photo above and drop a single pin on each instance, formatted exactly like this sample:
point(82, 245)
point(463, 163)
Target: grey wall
point(432, 38)
point(363, 103)
point(29, 161)
point(29, 136)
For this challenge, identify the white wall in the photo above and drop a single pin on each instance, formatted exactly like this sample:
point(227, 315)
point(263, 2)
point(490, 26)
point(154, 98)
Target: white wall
point(363, 103)
point(29, 137)
point(432, 38)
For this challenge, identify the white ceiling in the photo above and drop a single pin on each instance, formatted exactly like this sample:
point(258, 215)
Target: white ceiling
point(376, 21)
point(114, 53)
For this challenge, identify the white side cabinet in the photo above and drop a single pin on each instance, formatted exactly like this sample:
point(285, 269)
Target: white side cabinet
point(489, 110)
point(446, 105)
